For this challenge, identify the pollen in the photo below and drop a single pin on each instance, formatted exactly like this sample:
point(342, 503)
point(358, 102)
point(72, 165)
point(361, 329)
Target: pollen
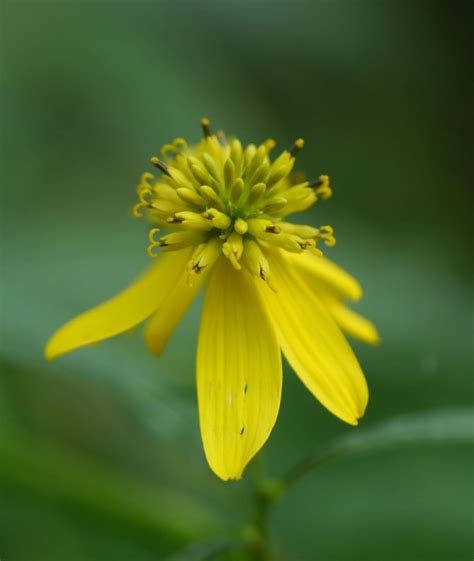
point(223, 198)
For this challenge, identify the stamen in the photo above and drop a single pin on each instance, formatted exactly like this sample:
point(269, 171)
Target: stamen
point(305, 232)
point(233, 249)
point(180, 144)
point(206, 129)
point(205, 255)
point(321, 187)
point(174, 220)
point(168, 151)
point(269, 144)
point(191, 220)
point(175, 240)
point(145, 202)
point(306, 244)
point(272, 229)
point(297, 146)
point(137, 210)
point(151, 250)
point(256, 263)
point(151, 235)
point(218, 197)
point(219, 219)
point(160, 165)
point(259, 227)
point(289, 242)
point(153, 242)
point(144, 182)
point(327, 234)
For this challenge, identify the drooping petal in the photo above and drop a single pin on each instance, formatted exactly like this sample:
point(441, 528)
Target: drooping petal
point(239, 374)
point(333, 285)
point(350, 322)
point(169, 313)
point(313, 343)
point(315, 268)
point(126, 310)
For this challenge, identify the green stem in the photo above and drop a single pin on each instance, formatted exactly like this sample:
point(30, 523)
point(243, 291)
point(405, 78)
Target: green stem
point(264, 497)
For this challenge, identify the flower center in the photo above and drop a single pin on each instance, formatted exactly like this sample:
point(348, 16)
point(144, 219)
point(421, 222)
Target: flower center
point(222, 198)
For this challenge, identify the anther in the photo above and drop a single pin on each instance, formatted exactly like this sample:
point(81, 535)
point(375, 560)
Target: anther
point(174, 220)
point(316, 183)
point(306, 244)
point(160, 165)
point(219, 219)
point(197, 268)
point(297, 146)
point(205, 255)
point(321, 186)
point(273, 229)
point(206, 129)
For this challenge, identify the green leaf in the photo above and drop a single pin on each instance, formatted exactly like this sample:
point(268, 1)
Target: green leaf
point(442, 426)
point(89, 486)
point(203, 551)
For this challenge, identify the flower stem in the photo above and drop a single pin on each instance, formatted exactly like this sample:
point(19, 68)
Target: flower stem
point(265, 492)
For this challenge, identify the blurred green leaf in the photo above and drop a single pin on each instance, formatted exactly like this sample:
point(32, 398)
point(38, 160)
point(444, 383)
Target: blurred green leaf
point(444, 426)
point(45, 469)
point(203, 551)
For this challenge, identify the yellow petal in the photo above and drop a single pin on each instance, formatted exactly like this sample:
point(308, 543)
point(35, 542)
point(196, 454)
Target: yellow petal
point(349, 321)
point(124, 311)
point(319, 269)
point(332, 284)
point(238, 372)
point(169, 313)
point(312, 342)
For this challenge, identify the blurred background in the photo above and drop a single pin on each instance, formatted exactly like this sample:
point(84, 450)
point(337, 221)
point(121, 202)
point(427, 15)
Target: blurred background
point(100, 454)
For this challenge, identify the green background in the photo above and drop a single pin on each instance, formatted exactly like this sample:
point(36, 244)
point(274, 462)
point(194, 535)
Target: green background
point(100, 454)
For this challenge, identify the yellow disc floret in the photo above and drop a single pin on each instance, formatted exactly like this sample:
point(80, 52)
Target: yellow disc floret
point(226, 199)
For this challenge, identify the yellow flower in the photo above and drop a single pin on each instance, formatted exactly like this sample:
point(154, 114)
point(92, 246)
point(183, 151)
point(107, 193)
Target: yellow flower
point(268, 289)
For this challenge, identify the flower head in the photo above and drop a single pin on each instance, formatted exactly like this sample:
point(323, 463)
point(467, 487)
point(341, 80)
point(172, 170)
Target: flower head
point(219, 217)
